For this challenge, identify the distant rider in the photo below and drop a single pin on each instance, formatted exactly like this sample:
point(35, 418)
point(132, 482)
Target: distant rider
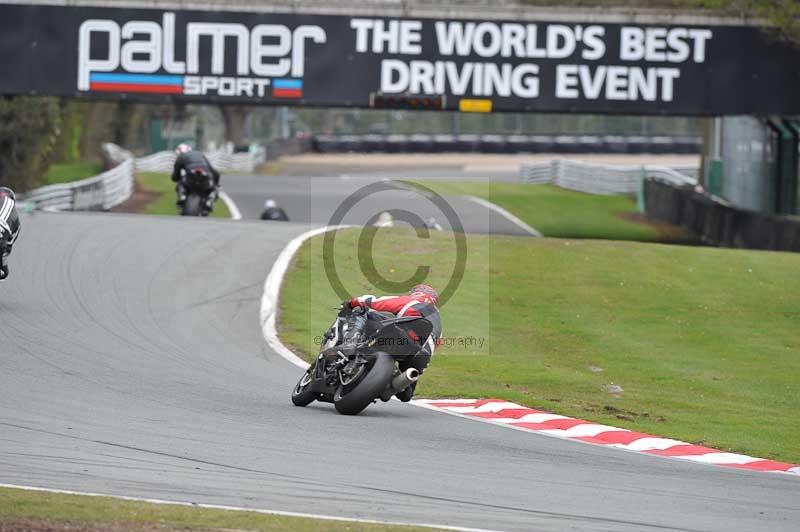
point(273, 213)
point(420, 301)
point(9, 227)
point(188, 161)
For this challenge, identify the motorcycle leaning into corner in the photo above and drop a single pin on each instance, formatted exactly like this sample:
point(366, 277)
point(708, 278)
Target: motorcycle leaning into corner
point(358, 361)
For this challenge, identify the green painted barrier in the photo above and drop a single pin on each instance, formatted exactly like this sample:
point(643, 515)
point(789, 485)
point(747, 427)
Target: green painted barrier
point(714, 178)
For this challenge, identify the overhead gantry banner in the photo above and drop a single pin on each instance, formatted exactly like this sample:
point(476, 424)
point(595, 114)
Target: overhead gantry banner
point(324, 60)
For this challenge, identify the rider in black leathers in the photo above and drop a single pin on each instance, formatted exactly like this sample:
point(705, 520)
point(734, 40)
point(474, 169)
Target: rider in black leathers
point(273, 213)
point(9, 227)
point(187, 161)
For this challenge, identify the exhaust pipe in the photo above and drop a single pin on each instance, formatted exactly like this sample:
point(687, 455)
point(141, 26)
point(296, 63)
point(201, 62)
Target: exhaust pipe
point(405, 379)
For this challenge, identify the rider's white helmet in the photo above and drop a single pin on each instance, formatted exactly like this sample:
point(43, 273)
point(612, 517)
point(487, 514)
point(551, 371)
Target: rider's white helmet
point(182, 148)
point(270, 204)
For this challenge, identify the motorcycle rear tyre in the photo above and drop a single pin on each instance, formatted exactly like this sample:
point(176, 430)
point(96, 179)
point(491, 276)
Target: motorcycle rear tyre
point(193, 205)
point(369, 389)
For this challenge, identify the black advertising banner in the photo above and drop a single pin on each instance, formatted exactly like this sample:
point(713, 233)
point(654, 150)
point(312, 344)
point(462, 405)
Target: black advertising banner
point(323, 60)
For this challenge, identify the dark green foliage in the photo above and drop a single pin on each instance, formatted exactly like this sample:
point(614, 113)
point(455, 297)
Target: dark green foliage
point(784, 15)
point(68, 144)
point(29, 127)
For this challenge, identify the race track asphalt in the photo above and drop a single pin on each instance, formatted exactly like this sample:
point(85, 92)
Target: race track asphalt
point(132, 363)
point(316, 199)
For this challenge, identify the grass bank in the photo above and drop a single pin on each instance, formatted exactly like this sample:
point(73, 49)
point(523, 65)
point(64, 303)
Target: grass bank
point(704, 343)
point(160, 191)
point(35, 510)
point(558, 212)
point(69, 172)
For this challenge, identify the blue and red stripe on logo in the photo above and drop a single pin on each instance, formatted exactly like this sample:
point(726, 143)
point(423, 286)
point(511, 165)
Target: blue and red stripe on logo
point(152, 83)
point(287, 88)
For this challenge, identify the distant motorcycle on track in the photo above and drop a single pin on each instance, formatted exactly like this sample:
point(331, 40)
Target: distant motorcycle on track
point(354, 369)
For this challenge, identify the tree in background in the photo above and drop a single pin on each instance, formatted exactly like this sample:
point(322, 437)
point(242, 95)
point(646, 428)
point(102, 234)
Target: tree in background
point(67, 146)
point(235, 117)
point(784, 15)
point(29, 129)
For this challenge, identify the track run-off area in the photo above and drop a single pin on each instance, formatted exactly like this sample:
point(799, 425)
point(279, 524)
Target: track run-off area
point(133, 364)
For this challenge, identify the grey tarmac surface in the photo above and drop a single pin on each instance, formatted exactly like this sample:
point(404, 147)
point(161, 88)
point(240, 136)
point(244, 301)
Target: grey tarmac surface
point(132, 363)
point(316, 200)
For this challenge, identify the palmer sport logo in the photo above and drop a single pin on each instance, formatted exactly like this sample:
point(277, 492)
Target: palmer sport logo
point(140, 56)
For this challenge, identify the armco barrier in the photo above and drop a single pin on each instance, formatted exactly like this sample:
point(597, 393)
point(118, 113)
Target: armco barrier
point(101, 192)
point(598, 178)
point(115, 186)
point(716, 222)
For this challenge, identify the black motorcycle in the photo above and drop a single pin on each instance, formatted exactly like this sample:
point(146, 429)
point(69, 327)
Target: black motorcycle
point(200, 193)
point(358, 361)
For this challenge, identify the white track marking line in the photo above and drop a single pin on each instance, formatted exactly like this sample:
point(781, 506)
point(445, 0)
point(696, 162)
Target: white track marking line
point(232, 207)
point(494, 406)
point(272, 289)
point(269, 307)
point(528, 418)
point(583, 430)
point(510, 217)
point(649, 444)
point(452, 401)
point(720, 458)
point(244, 509)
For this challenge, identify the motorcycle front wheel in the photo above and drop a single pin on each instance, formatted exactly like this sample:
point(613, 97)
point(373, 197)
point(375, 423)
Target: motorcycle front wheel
point(302, 394)
point(352, 399)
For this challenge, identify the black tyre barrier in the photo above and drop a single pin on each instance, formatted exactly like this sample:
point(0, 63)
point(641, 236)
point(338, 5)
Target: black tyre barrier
point(397, 144)
point(517, 144)
point(590, 144)
point(468, 143)
point(373, 143)
point(444, 143)
point(326, 144)
point(423, 143)
point(716, 223)
point(492, 144)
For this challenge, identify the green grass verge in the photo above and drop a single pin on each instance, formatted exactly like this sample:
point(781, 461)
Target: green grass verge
point(68, 172)
point(558, 212)
point(704, 342)
point(78, 512)
point(165, 203)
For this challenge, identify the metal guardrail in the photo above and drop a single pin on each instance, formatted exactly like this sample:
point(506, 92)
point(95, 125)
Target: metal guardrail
point(114, 186)
point(601, 179)
point(224, 161)
point(101, 192)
